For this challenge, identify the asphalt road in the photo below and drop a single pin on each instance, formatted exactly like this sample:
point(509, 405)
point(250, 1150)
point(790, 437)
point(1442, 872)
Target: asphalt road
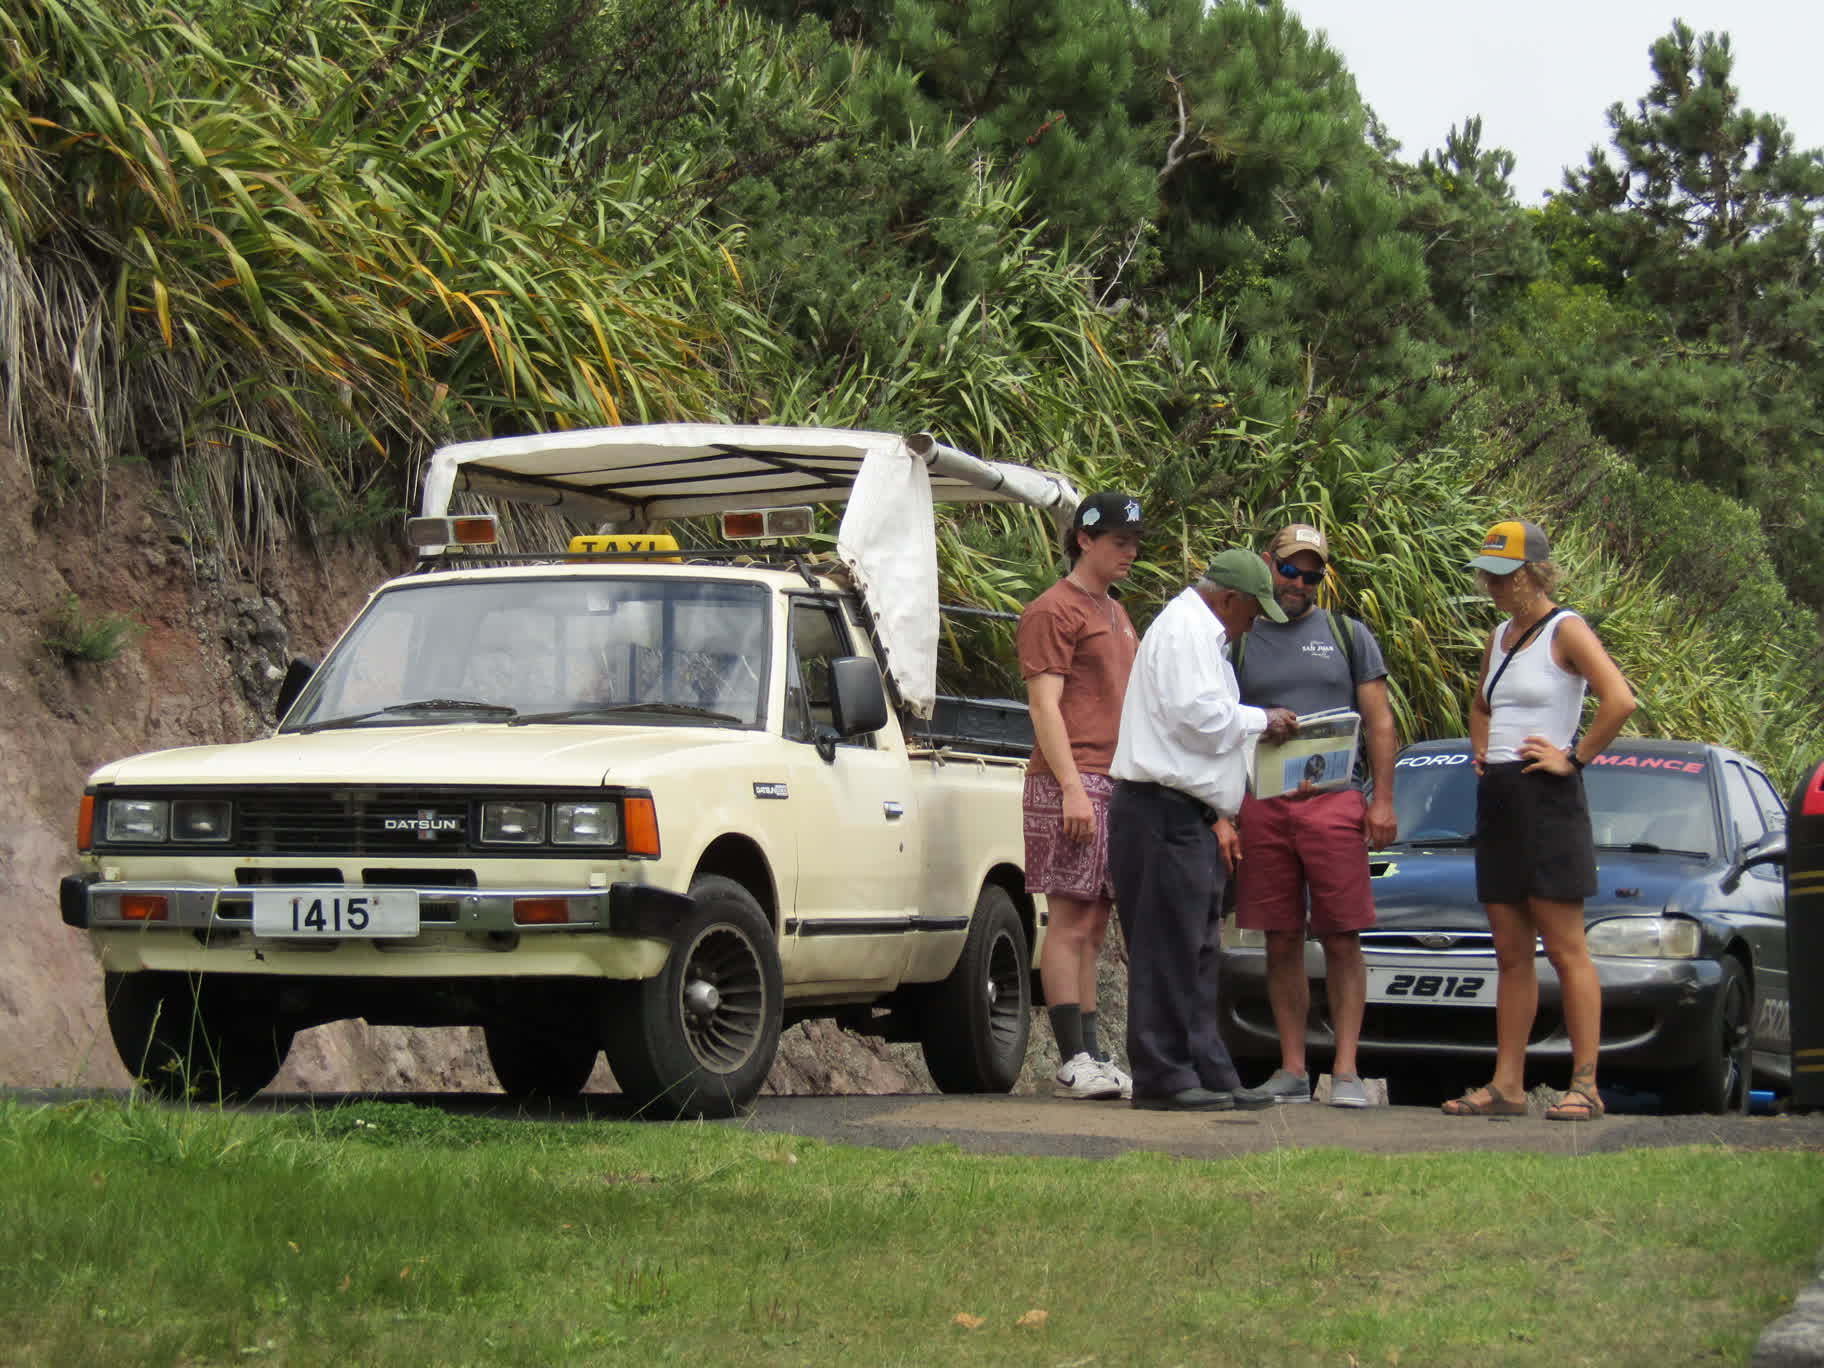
point(1041, 1125)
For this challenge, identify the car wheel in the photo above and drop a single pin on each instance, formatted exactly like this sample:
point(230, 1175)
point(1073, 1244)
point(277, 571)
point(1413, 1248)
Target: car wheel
point(974, 1025)
point(699, 1039)
point(187, 1036)
point(540, 1058)
point(1718, 1081)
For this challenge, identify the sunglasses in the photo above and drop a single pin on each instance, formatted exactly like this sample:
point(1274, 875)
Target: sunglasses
point(1287, 570)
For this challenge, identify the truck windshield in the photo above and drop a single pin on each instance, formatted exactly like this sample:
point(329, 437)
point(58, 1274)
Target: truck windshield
point(1637, 802)
point(633, 651)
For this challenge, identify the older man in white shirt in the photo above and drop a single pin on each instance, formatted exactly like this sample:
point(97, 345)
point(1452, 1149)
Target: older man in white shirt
point(1181, 770)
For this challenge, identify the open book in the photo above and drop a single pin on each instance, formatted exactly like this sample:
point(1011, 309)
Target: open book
point(1322, 752)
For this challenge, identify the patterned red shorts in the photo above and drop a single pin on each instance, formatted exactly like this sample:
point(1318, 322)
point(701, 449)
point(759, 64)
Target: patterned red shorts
point(1070, 869)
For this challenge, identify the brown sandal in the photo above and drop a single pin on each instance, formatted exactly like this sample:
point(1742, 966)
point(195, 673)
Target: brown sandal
point(1497, 1104)
point(1578, 1104)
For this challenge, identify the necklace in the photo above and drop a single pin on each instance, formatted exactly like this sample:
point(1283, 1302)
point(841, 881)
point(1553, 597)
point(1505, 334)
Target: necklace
point(1104, 598)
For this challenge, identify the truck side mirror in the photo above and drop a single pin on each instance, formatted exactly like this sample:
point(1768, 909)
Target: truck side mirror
point(297, 675)
point(858, 700)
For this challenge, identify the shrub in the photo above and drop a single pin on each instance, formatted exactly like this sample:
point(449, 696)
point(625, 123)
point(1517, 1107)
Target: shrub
point(75, 638)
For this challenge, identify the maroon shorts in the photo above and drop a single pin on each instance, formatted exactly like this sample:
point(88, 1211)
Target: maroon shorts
point(1291, 844)
point(1070, 869)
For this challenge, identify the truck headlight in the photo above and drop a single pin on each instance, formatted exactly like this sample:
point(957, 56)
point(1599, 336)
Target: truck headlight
point(513, 823)
point(1645, 937)
point(200, 819)
point(138, 819)
point(586, 824)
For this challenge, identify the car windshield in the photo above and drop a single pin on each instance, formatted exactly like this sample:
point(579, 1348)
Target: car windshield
point(636, 651)
point(1636, 801)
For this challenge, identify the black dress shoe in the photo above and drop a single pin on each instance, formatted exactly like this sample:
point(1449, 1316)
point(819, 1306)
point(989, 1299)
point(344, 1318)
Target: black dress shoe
point(1191, 1099)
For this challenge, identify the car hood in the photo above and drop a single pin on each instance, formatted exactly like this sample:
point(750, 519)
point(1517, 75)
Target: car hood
point(1437, 888)
point(491, 754)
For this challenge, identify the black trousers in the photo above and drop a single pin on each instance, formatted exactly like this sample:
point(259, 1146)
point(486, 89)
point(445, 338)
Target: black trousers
point(1168, 875)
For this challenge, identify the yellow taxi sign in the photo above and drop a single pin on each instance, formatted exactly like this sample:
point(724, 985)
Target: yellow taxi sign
point(659, 545)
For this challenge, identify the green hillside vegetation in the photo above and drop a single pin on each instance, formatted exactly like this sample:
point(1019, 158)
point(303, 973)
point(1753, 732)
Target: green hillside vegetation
point(281, 251)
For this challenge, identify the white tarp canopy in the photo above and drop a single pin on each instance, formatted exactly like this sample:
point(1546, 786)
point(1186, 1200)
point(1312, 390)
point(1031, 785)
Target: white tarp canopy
point(630, 478)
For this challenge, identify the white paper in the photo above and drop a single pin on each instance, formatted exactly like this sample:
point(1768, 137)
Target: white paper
point(1322, 753)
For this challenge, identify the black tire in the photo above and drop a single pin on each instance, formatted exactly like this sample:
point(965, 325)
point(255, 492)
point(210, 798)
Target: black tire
point(976, 1022)
point(536, 1058)
point(1718, 1081)
point(190, 1036)
point(699, 1039)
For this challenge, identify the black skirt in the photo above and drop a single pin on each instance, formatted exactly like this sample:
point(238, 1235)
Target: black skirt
point(1532, 836)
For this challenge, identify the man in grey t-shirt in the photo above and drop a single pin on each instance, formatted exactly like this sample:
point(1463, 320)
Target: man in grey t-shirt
point(1310, 850)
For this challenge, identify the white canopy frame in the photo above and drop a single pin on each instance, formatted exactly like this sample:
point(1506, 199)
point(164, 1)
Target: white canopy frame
point(634, 478)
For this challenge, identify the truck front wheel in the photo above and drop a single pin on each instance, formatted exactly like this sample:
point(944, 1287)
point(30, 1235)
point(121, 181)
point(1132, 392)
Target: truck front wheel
point(186, 1035)
point(975, 1023)
point(699, 1039)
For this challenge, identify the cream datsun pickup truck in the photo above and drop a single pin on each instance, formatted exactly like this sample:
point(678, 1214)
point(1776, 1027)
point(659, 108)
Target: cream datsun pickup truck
point(628, 799)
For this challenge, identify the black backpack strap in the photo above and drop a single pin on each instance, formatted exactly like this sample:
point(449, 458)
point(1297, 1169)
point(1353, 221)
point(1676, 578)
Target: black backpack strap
point(1344, 631)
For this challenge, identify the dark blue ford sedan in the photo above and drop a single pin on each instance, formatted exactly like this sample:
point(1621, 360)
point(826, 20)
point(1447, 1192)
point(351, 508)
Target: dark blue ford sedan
point(1688, 930)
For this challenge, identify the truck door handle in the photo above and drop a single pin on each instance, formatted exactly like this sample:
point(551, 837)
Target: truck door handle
point(893, 811)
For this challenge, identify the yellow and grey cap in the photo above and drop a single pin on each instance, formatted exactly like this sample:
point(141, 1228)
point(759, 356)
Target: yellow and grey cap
point(1510, 545)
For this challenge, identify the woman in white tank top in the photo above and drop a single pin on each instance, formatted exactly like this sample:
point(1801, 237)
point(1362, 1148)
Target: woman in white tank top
point(1535, 862)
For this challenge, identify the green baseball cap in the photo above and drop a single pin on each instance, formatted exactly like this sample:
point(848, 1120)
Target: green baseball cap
point(1246, 573)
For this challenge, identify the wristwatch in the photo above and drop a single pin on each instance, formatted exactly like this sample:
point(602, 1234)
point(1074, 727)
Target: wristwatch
point(1577, 761)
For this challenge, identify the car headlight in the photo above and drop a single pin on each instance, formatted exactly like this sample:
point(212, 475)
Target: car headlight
point(200, 819)
point(586, 824)
point(1645, 937)
point(513, 823)
point(138, 819)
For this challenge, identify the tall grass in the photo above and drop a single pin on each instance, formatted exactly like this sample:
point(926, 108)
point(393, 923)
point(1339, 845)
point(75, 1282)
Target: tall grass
point(291, 243)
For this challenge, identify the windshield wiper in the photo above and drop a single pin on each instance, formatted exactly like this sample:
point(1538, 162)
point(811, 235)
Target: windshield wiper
point(422, 705)
point(1439, 841)
point(1648, 848)
point(617, 709)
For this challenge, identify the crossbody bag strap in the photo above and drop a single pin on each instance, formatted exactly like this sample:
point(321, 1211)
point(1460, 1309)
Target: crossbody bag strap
point(1488, 694)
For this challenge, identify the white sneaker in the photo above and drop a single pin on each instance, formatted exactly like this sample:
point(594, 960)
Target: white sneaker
point(1115, 1071)
point(1081, 1076)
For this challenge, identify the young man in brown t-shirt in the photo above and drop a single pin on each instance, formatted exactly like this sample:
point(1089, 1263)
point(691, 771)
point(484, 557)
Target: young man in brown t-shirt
point(1076, 648)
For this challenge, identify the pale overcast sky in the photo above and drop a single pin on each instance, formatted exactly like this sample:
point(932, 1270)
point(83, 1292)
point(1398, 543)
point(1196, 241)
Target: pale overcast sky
point(1543, 74)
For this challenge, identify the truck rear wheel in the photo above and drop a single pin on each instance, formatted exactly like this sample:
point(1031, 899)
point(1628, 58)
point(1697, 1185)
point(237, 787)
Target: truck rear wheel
point(536, 1058)
point(976, 1021)
point(186, 1035)
point(699, 1039)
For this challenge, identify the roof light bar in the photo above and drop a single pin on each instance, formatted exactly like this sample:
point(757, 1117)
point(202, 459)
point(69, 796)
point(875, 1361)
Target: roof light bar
point(436, 535)
point(766, 523)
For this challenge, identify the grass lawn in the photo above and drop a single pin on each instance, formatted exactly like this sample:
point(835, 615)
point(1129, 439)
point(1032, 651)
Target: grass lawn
point(391, 1234)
